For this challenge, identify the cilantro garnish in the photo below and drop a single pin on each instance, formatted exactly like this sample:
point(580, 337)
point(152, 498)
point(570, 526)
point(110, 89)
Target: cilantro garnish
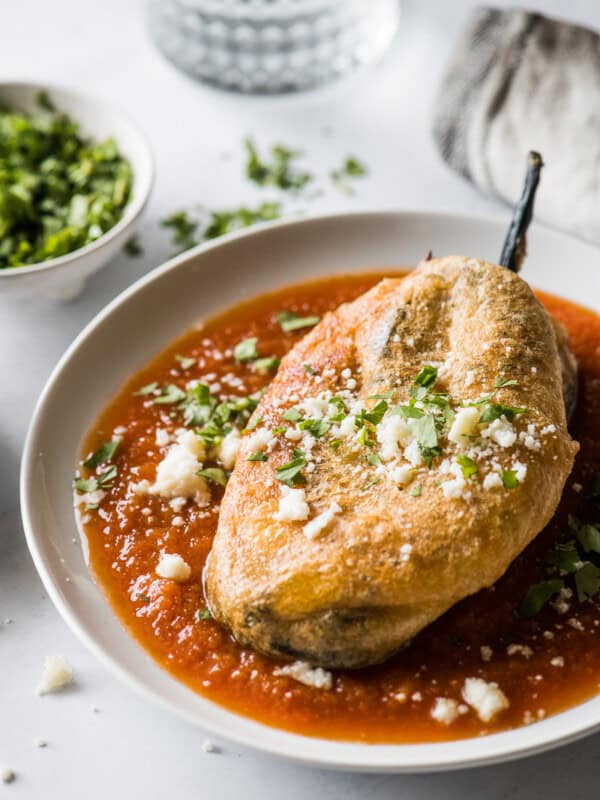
point(373, 459)
point(149, 388)
point(509, 479)
point(537, 596)
point(290, 473)
point(170, 394)
point(214, 475)
point(587, 581)
point(382, 396)
point(246, 350)
point(588, 537)
point(351, 168)
point(316, 427)
point(107, 477)
point(374, 415)
point(564, 556)
point(103, 454)
point(424, 430)
point(289, 321)
point(494, 411)
point(259, 455)
point(427, 376)
point(416, 490)
point(501, 383)
point(203, 614)
point(279, 172)
point(335, 444)
point(268, 364)
point(132, 247)
point(310, 370)
point(369, 484)
point(185, 362)
point(44, 101)
point(467, 465)
point(59, 190)
point(292, 415)
point(85, 485)
point(342, 408)
point(222, 222)
point(183, 227)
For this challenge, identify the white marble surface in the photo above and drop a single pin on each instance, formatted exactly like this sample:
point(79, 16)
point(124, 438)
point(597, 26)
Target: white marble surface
point(127, 746)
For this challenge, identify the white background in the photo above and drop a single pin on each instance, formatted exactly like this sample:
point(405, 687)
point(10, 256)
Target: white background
point(383, 116)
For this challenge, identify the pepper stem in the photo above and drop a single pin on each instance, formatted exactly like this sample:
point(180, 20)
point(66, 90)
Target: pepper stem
point(514, 249)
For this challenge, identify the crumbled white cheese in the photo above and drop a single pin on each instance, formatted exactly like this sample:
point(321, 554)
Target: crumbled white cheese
point(262, 439)
point(402, 475)
point(520, 471)
point(469, 377)
point(486, 652)
point(209, 747)
point(39, 742)
point(316, 407)
point(464, 425)
point(228, 449)
point(445, 710)
point(57, 674)
point(318, 524)
point(486, 698)
point(176, 474)
point(455, 488)
point(548, 429)
point(293, 434)
point(501, 431)
point(558, 661)
point(292, 505)
point(392, 431)
point(346, 373)
point(162, 437)
point(90, 498)
point(519, 649)
point(302, 672)
point(413, 454)
point(492, 480)
point(174, 567)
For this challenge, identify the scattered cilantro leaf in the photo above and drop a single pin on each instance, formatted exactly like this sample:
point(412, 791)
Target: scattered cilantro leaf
point(589, 538)
point(351, 168)
point(185, 362)
point(292, 415)
point(424, 430)
point(501, 383)
point(246, 350)
point(149, 388)
point(289, 321)
point(183, 228)
point(279, 171)
point(202, 614)
point(509, 479)
point(494, 411)
point(564, 556)
point(382, 396)
point(290, 473)
point(268, 364)
point(107, 476)
point(132, 247)
point(335, 444)
point(214, 475)
point(85, 485)
point(44, 101)
point(170, 394)
point(467, 465)
point(259, 455)
point(222, 222)
point(373, 459)
point(316, 427)
point(537, 596)
point(416, 490)
point(587, 581)
point(310, 370)
point(103, 454)
point(426, 377)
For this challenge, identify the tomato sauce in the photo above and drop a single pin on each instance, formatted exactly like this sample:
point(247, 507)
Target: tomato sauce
point(557, 667)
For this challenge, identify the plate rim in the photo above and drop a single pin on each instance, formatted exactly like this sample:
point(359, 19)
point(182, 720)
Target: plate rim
point(294, 747)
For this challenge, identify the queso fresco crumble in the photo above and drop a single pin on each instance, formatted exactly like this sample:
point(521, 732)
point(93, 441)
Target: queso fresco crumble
point(148, 489)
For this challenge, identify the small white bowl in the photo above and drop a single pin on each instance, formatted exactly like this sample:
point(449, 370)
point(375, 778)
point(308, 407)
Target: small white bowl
point(148, 316)
point(63, 278)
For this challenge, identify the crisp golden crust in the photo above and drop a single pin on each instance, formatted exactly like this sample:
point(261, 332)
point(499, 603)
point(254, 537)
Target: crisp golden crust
point(350, 597)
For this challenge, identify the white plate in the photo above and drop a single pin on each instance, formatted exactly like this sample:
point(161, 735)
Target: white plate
point(145, 318)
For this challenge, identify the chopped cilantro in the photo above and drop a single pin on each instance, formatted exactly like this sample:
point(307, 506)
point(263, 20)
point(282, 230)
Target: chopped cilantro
point(214, 475)
point(587, 581)
point(589, 538)
point(426, 377)
point(351, 168)
point(416, 490)
point(107, 476)
point(316, 427)
point(494, 411)
point(429, 453)
point(203, 614)
point(310, 370)
point(335, 444)
point(222, 222)
point(382, 396)
point(364, 436)
point(246, 350)
point(373, 459)
point(290, 473)
point(374, 415)
point(369, 484)
point(170, 394)
point(103, 454)
point(424, 430)
point(44, 101)
point(564, 556)
point(289, 321)
point(259, 455)
point(509, 479)
point(537, 596)
point(408, 411)
point(341, 407)
point(59, 190)
point(185, 362)
point(468, 466)
point(132, 247)
point(279, 172)
point(85, 485)
point(292, 415)
point(149, 388)
point(266, 364)
point(183, 228)
point(501, 383)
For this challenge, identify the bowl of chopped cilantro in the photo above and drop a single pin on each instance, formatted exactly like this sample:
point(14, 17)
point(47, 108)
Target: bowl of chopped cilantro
point(75, 175)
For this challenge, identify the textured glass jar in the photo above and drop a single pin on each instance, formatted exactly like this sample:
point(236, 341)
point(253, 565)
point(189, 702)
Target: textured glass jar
point(271, 45)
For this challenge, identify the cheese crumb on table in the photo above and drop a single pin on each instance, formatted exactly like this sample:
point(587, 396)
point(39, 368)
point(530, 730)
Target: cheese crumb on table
point(302, 672)
point(445, 710)
point(57, 674)
point(7, 774)
point(174, 567)
point(487, 699)
point(209, 747)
